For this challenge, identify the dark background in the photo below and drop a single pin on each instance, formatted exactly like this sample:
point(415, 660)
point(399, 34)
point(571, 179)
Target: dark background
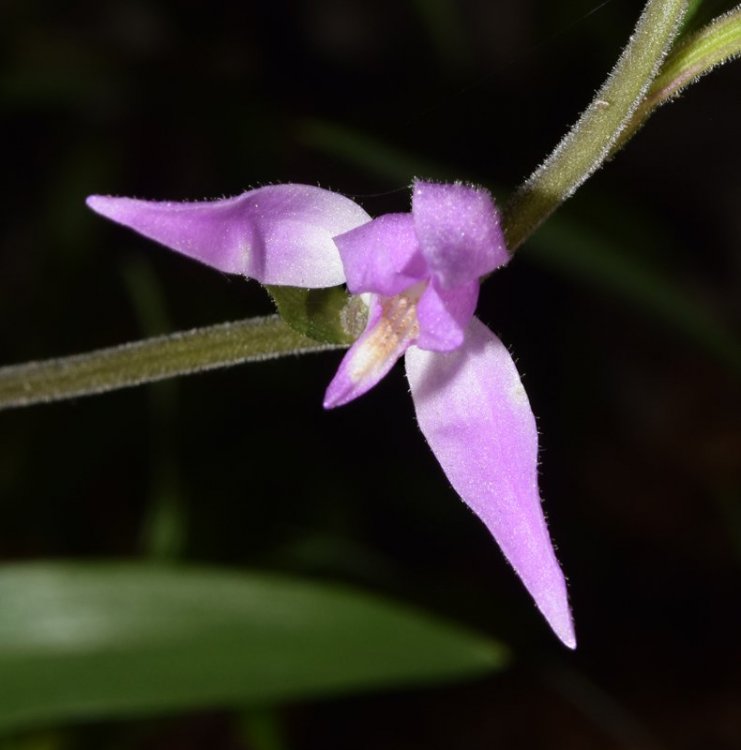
point(638, 406)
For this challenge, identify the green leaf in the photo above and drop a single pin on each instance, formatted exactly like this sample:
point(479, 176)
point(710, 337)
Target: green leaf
point(583, 150)
point(693, 8)
point(369, 153)
point(82, 641)
point(443, 23)
point(582, 255)
point(331, 316)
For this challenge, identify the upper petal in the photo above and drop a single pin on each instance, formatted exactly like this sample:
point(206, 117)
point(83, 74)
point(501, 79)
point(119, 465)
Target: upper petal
point(382, 256)
point(474, 412)
point(444, 315)
point(278, 234)
point(459, 231)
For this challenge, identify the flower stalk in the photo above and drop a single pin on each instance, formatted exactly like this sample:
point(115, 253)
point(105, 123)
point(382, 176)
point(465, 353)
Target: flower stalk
point(717, 43)
point(585, 147)
point(152, 359)
point(630, 95)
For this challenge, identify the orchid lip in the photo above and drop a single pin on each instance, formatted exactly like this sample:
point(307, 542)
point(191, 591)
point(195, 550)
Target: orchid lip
point(392, 328)
point(397, 325)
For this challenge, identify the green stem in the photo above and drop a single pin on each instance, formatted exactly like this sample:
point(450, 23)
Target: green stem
point(152, 359)
point(717, 43)
point(589, 142)
point(617, 111)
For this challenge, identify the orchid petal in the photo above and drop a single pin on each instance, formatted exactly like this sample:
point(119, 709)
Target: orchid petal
point(474, 413)
point(444, 315)
point(278, 234)
point(391, 329)
point(459, 231)
point(382, 256)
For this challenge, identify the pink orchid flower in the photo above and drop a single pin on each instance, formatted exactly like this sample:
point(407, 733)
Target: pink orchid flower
point(421, 272)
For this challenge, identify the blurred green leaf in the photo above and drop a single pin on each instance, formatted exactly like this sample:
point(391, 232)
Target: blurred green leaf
point(692, 9)
point(262, 729)
point(146, 294)
point(164, 530)
point(82, 641)
point(577, 253)
point(442, 20)
point(369, 153)
point(328, 315)
point(42, 741)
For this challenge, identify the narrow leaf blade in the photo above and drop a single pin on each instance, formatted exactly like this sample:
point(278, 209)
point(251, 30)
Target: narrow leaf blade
point(81, 641)
point(577, 253)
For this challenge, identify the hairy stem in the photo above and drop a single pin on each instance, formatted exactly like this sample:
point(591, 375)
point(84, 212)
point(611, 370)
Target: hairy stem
point(717, 43)
point(623, 103)
point(590, 140)
point(152, 359)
